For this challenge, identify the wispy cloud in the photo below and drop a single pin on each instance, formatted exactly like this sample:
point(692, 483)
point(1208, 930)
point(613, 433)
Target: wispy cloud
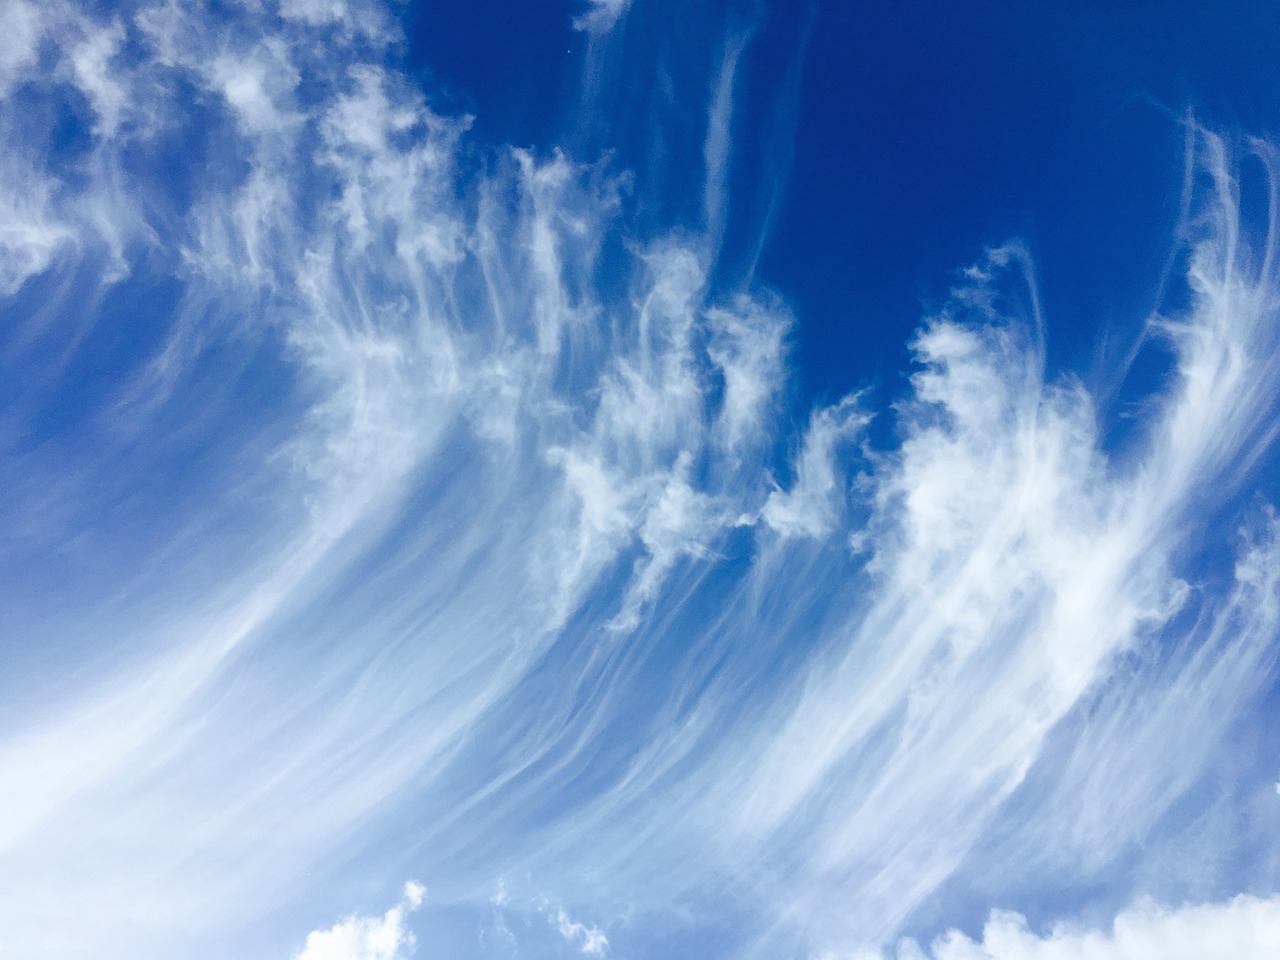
point(716, 147)
point(440, 520)
point(589, 940)
point(601, 15)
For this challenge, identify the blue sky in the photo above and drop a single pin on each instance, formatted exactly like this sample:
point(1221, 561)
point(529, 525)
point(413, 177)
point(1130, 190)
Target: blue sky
point(637, 480)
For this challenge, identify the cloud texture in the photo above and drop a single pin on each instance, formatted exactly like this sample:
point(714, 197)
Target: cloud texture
point(385, 503)
point(1245, 927)
point(368, 938)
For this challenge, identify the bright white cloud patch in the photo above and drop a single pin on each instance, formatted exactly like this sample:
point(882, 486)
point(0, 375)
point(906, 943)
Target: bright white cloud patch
point(1246, 928)
point(387, 937)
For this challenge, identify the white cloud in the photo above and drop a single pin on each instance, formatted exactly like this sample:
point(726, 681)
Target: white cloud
point(1012, 567)
point(315, 11)
point(1245, 928)
point(748, 346)
point(25, 27)
point(257, 84)
point(716, 147)
point(1178, 708)
point(589, 939)
point(482, 435)
point(602, 16)
point(91, 68)
point(813, 504)
point(31, 232)
point(387, 937)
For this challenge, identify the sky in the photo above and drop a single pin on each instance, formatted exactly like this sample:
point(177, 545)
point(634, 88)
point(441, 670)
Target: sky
point(627, 479)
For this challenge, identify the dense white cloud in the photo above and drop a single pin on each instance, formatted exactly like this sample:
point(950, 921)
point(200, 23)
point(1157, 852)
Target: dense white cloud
point(1246, 928)
point(387, 937)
